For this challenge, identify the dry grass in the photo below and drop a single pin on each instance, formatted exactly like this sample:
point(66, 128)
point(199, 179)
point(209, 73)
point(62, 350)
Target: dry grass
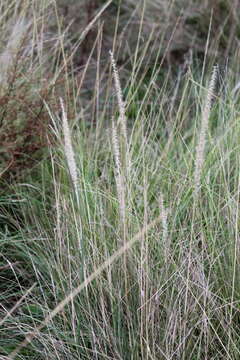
point(105, 252)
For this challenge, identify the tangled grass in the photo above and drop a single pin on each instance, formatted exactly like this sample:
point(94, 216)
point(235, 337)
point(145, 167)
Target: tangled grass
point(123, 241)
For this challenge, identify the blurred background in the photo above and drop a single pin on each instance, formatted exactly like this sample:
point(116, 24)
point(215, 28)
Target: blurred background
point(174, 29)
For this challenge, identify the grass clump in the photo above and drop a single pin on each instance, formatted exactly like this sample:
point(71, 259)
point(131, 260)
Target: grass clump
point(123, 242)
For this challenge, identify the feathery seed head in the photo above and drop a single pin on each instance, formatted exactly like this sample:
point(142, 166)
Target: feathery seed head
point(203, 132)
point(69, 148)
point(121, 104)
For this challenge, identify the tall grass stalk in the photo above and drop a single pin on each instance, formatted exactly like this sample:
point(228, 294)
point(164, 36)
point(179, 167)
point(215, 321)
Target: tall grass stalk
point(69, 152)
point(122, 162)
point(200, 148)
point(121, 104)
point(165, 236)
point(120, 182)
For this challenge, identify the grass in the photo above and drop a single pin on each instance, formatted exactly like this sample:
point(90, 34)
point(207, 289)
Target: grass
point(122, 241)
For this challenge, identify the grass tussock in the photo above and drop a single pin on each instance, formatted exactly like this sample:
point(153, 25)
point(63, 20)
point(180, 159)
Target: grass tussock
point(121, 241)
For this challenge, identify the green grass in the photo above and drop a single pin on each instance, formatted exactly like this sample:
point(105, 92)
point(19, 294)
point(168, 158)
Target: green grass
point(109, 246)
